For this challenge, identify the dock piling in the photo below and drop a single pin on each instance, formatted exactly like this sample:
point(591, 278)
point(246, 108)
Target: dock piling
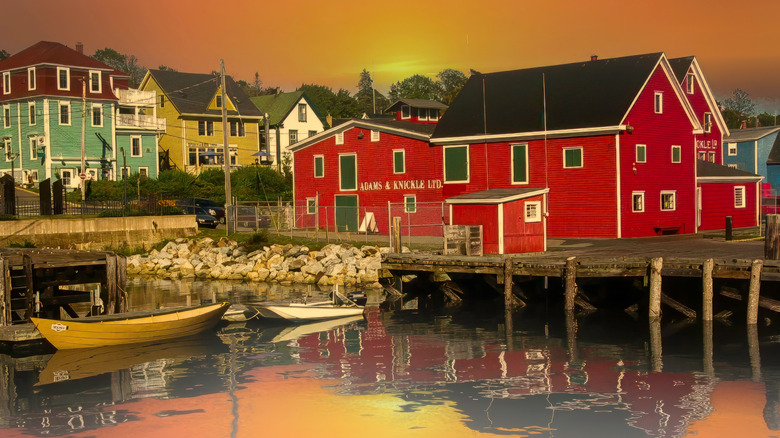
point(656, 265)
point(656, 349)
point(570, 280)
point(754, 291)
point(706, 308)
point(772, 237)
point(508, 302)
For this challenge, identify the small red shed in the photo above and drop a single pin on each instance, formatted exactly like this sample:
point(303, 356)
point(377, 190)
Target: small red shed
point(727, 192)
point(513, 220)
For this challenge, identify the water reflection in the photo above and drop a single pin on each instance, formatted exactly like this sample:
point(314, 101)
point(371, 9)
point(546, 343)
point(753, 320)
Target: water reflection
point(404, 373)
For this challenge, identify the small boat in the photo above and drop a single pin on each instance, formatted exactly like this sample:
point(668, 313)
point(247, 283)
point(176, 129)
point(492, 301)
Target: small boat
point(293, 332)
point(298, 312)
point(131, 327)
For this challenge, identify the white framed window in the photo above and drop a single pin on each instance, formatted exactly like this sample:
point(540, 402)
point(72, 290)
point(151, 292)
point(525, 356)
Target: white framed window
point(319, 166)
point(205, 128)
point(311, 205)
point(676, 154)
point(31, 114)
point(638, 202)
point(739, 197)
point(702, 155)
point(218, 100)
point(533, 211)
point(136, 149)
point(302, 116)
point(690, 81)
point(97, 115)
point(707, 122)
point(7, 149)
point(6, 82)
point(33, 148)
point(293, 133)
point(711, 156)
point(63, 78)
point(641, 153)
point(143, 171)
point(572, 158)
point(399, 161)
point(95, 81)
point(658, 102)
point(31, 79)
point(374, 135)
point(732, 149)
point(519, 163)
point(668, 200)
point(410, 203)
point(64, 112)
point(406, 111)
point(456, 164)
point(6, 116)
point(422, 114)
point(348, 172)
point(433, 114)
point(340, 138)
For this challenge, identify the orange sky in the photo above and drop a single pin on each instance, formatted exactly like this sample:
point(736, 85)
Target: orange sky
point(330, 42)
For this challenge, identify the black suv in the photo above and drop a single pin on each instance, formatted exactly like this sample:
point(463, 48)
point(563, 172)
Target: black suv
point(201, 216)
point(211, 207)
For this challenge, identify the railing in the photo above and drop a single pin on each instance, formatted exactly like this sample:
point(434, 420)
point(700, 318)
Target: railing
point(148, 206)
point(143, 121)
point(136, 97)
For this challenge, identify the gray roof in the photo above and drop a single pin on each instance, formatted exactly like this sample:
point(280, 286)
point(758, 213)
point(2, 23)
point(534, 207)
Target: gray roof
point(680, 66)
point(750, 134)
point(705, 169)
point(497, 196)
point(416, 103)
point(774, 154)
point(192, 93)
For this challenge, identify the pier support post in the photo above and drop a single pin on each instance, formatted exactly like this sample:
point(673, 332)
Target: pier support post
point(111, 277)
point(656, 265)
point(570, 280)
point(709, 369)
point(396, 248)
point(754, 291)
point(5, 299)
point(508, 302)
point(571, 336)
point(772, 237)
point(755, 353)
point(706, 307)
point(656, 349)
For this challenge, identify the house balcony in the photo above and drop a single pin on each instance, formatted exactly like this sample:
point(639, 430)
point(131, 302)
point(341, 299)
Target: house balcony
point(131, 97)
point(140, 121)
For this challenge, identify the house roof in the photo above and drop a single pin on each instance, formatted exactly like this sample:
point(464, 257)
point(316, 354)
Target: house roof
point(416, 103)
point(680, 67)
point(497, 196)
point(750, 134)
point(279, 106)
point(577, 96)
point(193, 92)
point(49, 52)
point(396, 127)
point(706, 170)
point(774, 153)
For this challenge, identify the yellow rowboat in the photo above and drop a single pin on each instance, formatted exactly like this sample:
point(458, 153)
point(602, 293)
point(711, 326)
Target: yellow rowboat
point(130, 328)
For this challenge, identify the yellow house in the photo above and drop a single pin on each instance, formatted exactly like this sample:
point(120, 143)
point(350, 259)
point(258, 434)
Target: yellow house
point(192, 105)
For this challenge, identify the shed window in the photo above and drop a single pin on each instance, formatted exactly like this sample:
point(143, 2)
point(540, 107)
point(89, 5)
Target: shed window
point(348, 172)
point(732, 149)
point(739, 197)
point(641, 153)
point(668, 202)
point(638, 202)
point(676, 154)
point(533, 211)
point(433, 114)
point(410, 203)
point(520, 164)
point(311, 205)
point(399, 161)
point(572, 158)
point(319, 166)
point(422, 113)
point(690, 82)
point(456, 164)
point(658, 102)
point(406, 111)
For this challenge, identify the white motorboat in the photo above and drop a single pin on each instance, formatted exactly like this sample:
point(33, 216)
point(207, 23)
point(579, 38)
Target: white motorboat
point(307, 311)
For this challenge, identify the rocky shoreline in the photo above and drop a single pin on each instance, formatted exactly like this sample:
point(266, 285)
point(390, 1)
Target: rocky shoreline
point(224, 259)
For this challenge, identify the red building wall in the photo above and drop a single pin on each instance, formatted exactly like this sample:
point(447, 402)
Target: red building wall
point(707, 142)
point(521, 236)
point(659, 132)
point(718, 202)
point(46, 84)
point(485, 215)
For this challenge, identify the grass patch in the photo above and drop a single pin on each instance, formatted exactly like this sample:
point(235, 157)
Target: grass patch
point(25, 244)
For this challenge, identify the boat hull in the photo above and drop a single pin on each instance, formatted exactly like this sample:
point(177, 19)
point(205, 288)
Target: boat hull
point(71, 334)
point(307, 313)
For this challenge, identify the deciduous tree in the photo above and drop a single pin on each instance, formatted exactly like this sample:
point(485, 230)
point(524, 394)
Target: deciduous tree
point(450, 82)
point(415, 87)
point(124, 63)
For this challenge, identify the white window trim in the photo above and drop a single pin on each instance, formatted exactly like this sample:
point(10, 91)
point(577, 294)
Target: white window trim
point(92, 116)
point(322, 157)
point(707, 124)
point(658, 102)
point(512, 164)
point(733, 166)
point(636, 155)
point(140, 146)
point(582, 157)
point(679, 148)
point(33, 147)
point(689, 85)
point(305, 113)
point(711, 156)
point(674, 200)
point(310, 207)
point(374, 135)
point(403, 153)
point(146, 168)
point(729, 147)
point(406, 210)
point(444, 164)
point(60, 104)
point(7, 149)
point(420, 112)
point(99, 84)
point(7, 81)
point(433, 114)
point(339, 138)
point(702, 155)
point(536, 217)
point(642, 194)
point(7, 120)
point(32, 79)
point(356, 173)
point(402, 112)
point(743, 204)
point(67, 78)
point(31, 110)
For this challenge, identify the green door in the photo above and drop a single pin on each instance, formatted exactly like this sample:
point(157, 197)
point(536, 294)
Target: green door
point(346, 213)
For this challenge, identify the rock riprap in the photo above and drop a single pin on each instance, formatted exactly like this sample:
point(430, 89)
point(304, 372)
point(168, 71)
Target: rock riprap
point(224, 259)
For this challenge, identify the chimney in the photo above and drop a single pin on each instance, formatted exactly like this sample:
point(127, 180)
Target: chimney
point(329, 120)
point(80, 47)
point(594, 57)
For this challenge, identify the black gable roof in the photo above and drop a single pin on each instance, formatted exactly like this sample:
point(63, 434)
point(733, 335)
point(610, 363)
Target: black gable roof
point(192, 92)
point(579, 95)
point(774, 153)
point(705, 169)
point(680, 67)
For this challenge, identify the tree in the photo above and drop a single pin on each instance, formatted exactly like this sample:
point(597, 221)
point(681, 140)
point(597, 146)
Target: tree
point(339, 104)
point(4, 54)
point(451, 81)
point(368, 99)
point(741, 103)
point(766, 119)
point(415, 87)
point(124, 63)
point(164, 67)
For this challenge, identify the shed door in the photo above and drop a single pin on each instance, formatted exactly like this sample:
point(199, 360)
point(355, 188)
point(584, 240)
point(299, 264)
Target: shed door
point(346, 213)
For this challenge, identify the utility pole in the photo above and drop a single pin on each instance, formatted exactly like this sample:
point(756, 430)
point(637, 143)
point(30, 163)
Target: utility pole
point(83, 141)
point(373, 94)
point(229, 225)
point(124, 180)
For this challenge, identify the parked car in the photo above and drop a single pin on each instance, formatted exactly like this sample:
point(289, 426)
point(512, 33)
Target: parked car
point(211, 207)
point(201, 216)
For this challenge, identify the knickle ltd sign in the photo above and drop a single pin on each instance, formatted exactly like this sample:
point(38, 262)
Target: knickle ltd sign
point(405, 184)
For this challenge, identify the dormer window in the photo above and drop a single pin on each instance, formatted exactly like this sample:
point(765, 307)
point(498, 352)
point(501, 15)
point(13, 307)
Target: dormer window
point(95, 81)
point(63, 78)
point(690, 82)
point(659, 102)
point(422, 114)
point(31, 79)
point(218, 101)
point(406, 111)
point(433, 114)
point(7, 82)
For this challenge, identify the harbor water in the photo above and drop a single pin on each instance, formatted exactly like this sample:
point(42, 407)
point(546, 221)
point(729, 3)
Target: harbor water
point(402, 371)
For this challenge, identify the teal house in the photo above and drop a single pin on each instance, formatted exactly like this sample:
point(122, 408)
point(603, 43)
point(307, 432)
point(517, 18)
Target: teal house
point(755, 150)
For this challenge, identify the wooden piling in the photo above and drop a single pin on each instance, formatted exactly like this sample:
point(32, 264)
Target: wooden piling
point(656, 349)
point(707, 365)
point(754, 352)
point(110, 303)
point(656, 265)
point(772, 237)
point(706, 308)
point(570, 280)
point(5, 306)
point(571, 336)
point(396, 235)
point(121, 283)
point(754, 291)
point(508, 302)
point(28, 278)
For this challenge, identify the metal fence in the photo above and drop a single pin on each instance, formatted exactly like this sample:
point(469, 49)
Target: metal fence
point(151, 206)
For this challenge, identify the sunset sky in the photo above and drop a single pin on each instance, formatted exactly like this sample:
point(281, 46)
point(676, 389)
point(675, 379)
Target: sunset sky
point(330, 42)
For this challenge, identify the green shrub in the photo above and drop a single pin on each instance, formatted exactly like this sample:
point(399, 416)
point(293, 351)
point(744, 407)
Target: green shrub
point(26, 244)
point(111, 213)
point(7, 217)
